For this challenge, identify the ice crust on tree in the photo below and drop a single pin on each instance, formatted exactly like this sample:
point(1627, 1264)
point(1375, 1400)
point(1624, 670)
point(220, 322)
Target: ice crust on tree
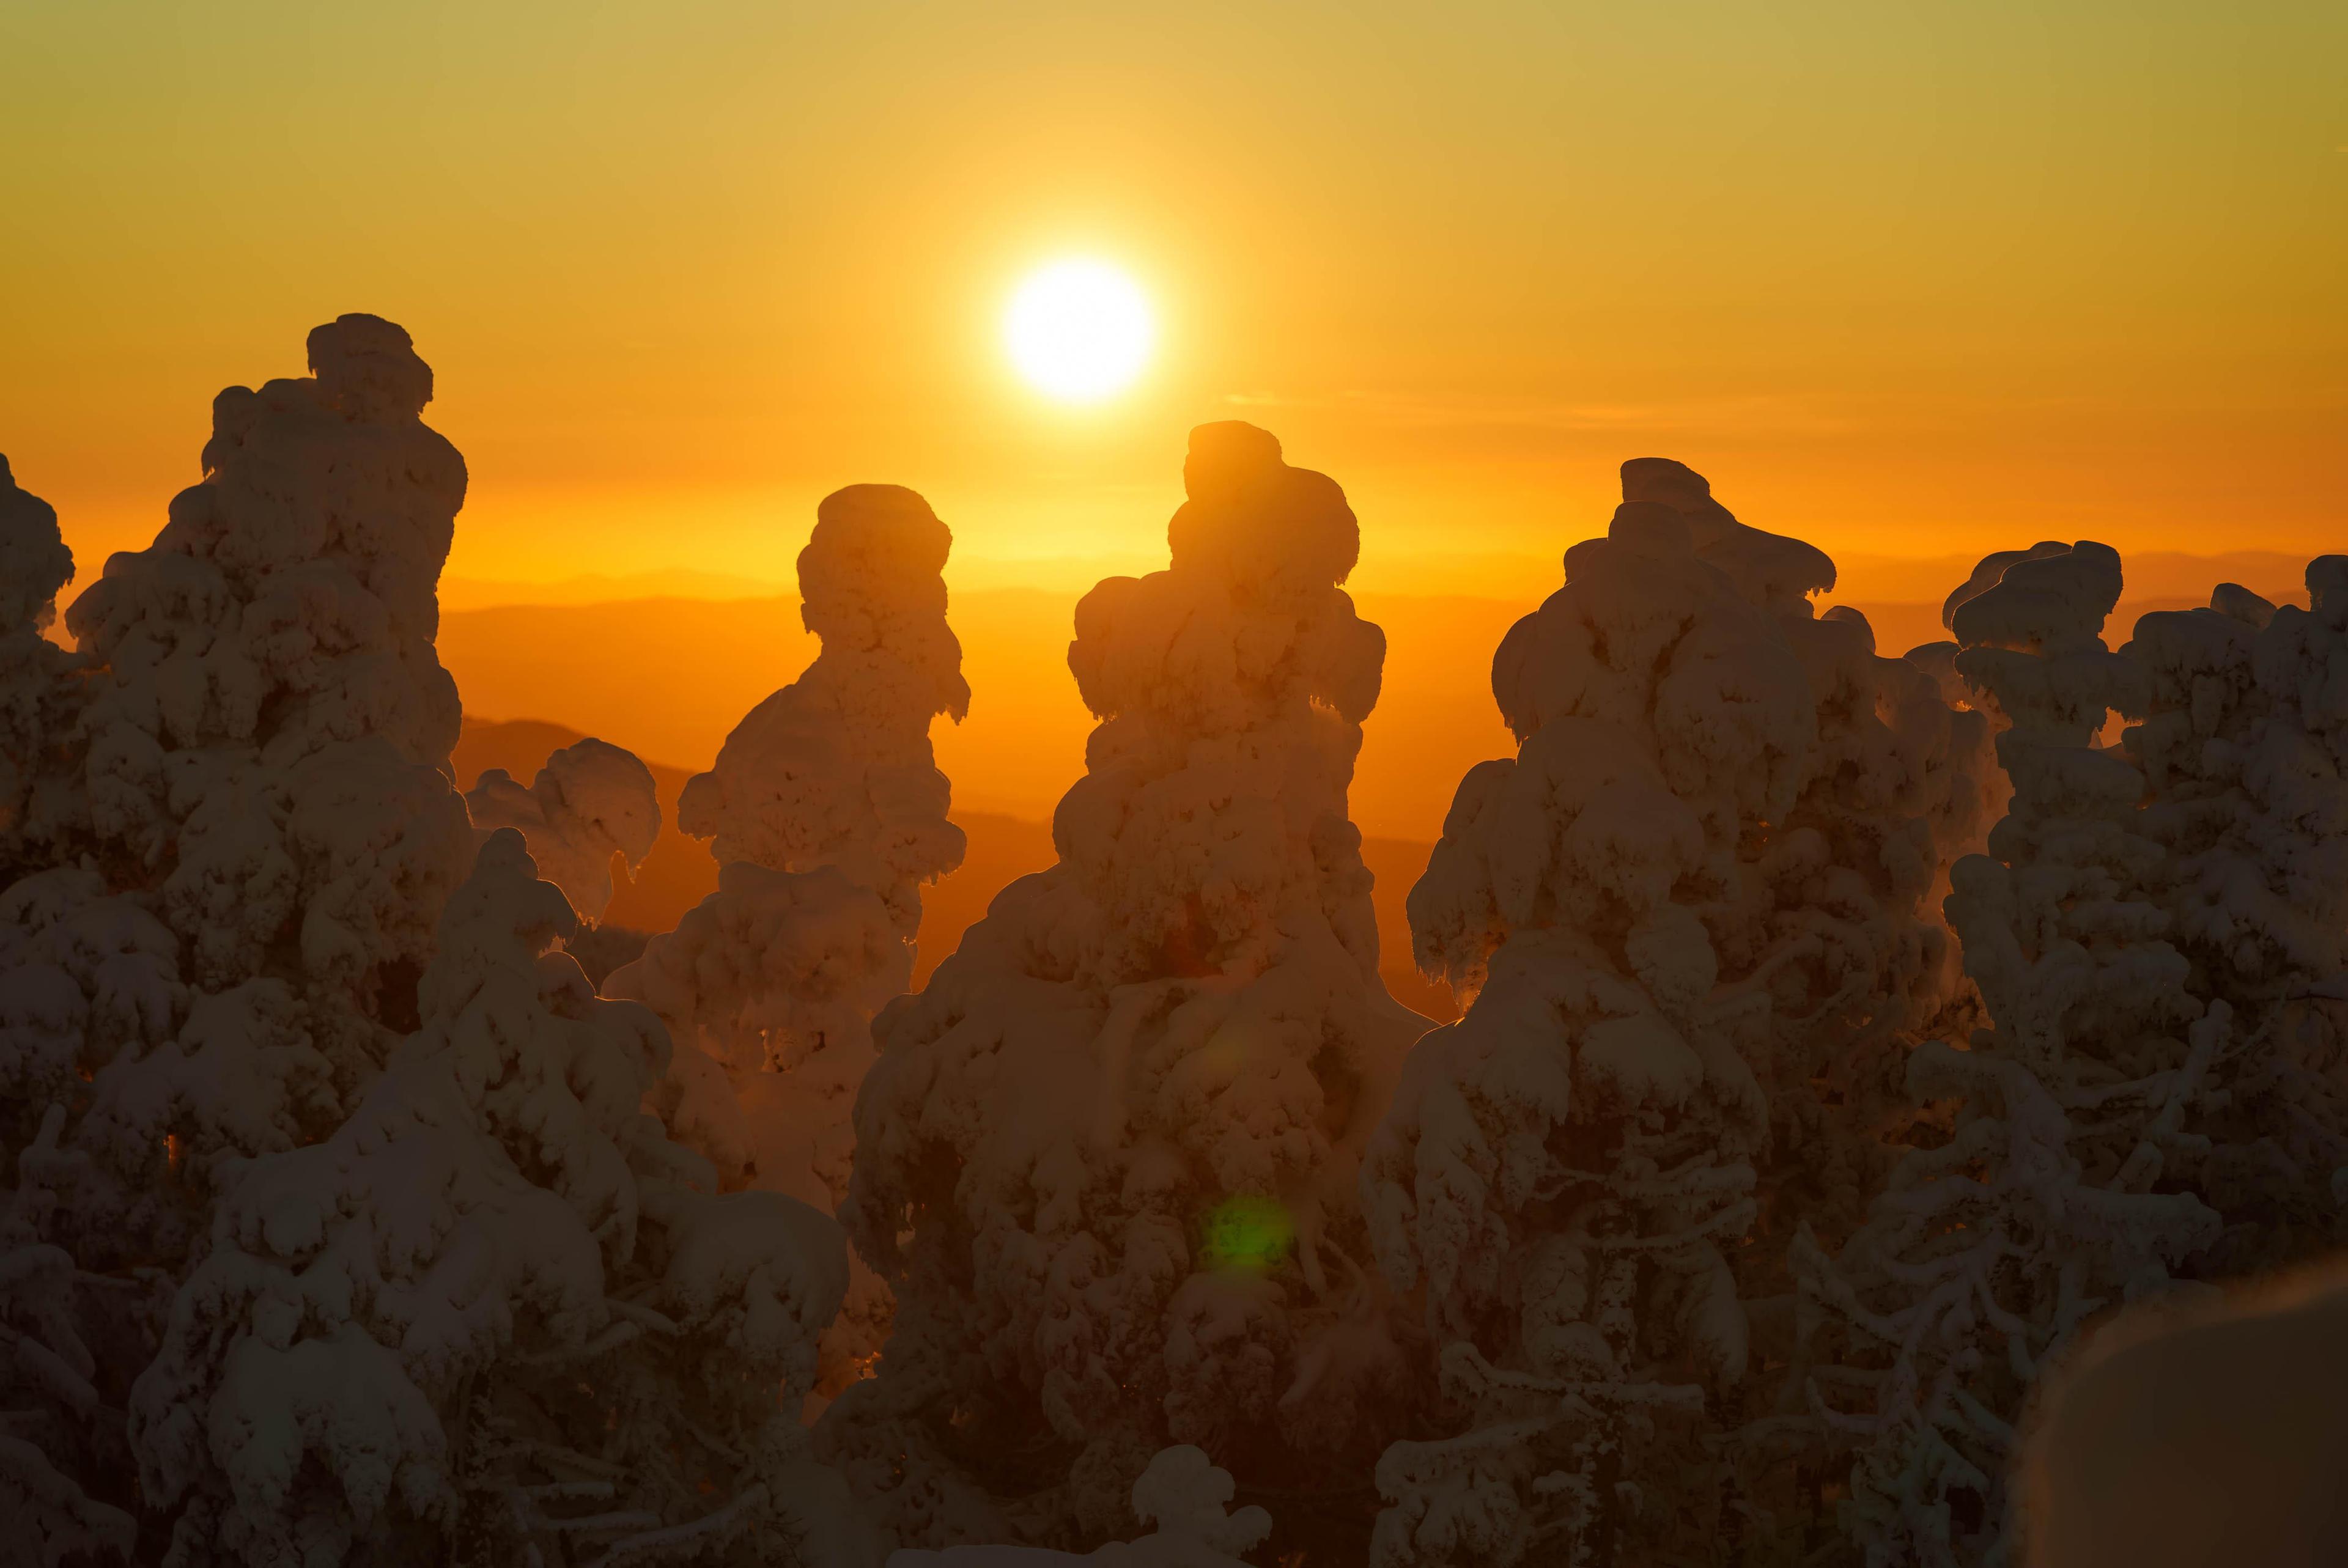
point(1693, 921)
point(591, 800)
point(1107, 1156)
point(826, 813)
point(498, 1304)
point(2065, 1183)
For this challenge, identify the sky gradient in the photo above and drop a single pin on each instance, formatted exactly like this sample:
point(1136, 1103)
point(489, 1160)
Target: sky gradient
point(1909, 280)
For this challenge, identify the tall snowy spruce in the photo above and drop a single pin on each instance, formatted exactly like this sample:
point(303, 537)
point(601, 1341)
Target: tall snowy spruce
point(1107, 1157)
point(228, 833)
point(2064, 1184)
point(1694, 917)
point(827, 813)
point(498, 1316)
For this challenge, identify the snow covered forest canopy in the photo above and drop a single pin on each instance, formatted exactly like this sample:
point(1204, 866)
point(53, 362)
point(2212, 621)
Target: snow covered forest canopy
point(1874, 1070)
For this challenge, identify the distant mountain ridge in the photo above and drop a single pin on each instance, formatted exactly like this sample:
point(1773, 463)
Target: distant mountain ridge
point(679, 872)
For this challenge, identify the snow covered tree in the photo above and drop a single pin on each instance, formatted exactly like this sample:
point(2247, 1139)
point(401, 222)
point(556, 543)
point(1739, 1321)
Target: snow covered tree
point(2244, 750)
point(1107, 1157)
point(1691, 920)
point(827, 813)
point(590, 802)
point(268, 725)
point(228, 831)
point(498, 1316)
point(2056, 1190)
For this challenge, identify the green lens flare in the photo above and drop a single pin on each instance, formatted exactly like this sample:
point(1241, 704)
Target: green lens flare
point(1247, 1234)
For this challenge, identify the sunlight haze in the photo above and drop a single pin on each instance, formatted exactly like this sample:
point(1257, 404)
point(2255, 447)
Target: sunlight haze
point(1906, 281)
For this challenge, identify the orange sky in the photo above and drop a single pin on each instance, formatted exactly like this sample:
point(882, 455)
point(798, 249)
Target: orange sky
point(1911, 281)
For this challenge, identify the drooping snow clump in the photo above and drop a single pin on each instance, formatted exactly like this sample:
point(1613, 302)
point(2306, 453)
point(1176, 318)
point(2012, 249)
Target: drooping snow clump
point(1107, 1157)
point(827, 813)
point(226, 831)
point(590, 802)
point(499, 1306)
point(2055, 1192)
point(1692, 920)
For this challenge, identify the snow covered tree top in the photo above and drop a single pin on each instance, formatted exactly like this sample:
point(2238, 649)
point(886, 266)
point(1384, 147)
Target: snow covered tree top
point(836, 768)
point(1247, 625)
point(304, 563)
point(1253, 518)
point(871, 585)
point(1772, 568)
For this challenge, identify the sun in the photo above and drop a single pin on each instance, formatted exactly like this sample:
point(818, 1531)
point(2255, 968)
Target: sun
point(1080, 330)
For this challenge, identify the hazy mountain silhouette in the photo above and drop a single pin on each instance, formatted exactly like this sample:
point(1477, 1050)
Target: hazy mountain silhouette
point(679, 872)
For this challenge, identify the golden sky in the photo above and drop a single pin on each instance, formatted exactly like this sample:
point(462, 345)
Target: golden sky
point(1911, 280)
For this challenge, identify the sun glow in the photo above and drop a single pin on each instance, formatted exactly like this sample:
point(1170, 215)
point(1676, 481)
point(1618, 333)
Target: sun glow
point(1079, 330)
